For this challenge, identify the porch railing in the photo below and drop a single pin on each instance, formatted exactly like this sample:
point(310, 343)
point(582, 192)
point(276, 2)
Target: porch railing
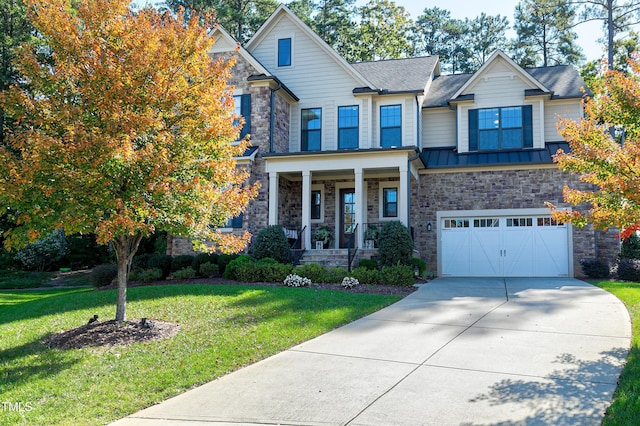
point(297, 250)
point(351, 248)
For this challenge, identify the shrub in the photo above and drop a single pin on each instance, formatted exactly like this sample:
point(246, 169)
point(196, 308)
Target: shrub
point(594, 268)
point(208, 269)
point(315, 272)
point(147, 275)
point(84, 252)
point(44, 253)
point(335, 275)
point(397, 275)
point(202, 258)
point(368, 264)
point(349, 282)
point(629, 269)
point(630, 248)
point(230, 272)
point(271, 242)
point(264, 270)
point(181, 262)
point(420, 264)
point(103, 275)
point(224, 260)
point(293, 280)
point(367, 276)
point(161, 262)
point(140, 262)
point(395, 245)
point(185, 273)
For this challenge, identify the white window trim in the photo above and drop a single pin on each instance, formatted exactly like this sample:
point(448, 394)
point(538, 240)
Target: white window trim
point(382, 186)
point(390, 102)
point(293, 43)
point(319, 187)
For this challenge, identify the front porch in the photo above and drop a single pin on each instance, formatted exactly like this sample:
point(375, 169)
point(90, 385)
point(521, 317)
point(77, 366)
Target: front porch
point(352, 193)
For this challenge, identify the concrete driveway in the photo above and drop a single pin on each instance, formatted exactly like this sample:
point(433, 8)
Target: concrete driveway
point(459, 351)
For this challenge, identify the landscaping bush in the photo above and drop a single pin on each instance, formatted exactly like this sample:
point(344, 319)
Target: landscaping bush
point(397, 275)
point(140, 262)
point(185, 273)
point(349, 282)
point(294, 280)
point(202, 258)
point(368, 264)
point(146, 275)
point(181, 262)
point(44, 253)
point(629, 269)
point(335, 275)
point(84, 252)
point(223, 261)
point(395, 245)
point(208, 269)
point(161, 262)
point(630, 248)
point(103, 275)
point(367, 276)
point(316, 273)
point(420, 264)
point(271, 242)
point(274, 272)
point(230, 272)
point(594, 268)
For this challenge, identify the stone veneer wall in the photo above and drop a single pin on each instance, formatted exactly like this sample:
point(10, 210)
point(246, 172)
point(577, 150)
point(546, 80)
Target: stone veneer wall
point(504, 189)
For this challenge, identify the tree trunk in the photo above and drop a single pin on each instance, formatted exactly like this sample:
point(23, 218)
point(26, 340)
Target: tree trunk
point(126, 247)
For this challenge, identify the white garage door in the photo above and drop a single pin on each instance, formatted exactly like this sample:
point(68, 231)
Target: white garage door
point(513, 246)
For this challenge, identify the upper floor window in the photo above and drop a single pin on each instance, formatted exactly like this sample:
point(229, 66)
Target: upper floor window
point(348, 122)
point(390, 126)
point(284, 52)
point(503, 128)
point(311, 129)
point(390, 202)
point(234, 222)
point(243, 109)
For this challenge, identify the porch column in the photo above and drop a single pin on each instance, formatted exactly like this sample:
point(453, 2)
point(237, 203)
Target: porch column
point(361, 207)
point(403, 193)
point(306, 207)
point(274, 189)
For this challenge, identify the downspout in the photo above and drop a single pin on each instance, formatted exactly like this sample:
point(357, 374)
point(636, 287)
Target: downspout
point(272, 103)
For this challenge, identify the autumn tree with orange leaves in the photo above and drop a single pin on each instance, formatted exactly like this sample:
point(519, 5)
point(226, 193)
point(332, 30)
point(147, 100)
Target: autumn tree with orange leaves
point(605, 152)
point(128, 132)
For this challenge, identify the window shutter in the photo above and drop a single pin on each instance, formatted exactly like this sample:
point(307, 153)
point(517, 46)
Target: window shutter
point(473, 130)
point(527, 126)
point(245, 111)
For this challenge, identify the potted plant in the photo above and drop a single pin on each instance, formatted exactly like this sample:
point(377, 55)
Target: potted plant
point(323, 234)
point(371, 236)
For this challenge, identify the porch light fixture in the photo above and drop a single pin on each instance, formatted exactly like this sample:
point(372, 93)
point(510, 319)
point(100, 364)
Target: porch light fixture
point(429, 226)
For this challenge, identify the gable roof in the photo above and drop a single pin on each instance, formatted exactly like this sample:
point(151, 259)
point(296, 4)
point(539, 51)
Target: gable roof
point(283, 10)
point(224, 35)
point(562, 81)
point(399, 75)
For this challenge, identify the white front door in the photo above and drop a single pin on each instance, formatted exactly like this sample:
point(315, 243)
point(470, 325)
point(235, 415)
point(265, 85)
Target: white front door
point(511, 246)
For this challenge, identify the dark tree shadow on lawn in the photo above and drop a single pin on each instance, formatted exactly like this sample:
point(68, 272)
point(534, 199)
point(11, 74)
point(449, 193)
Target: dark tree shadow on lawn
point(571, 396)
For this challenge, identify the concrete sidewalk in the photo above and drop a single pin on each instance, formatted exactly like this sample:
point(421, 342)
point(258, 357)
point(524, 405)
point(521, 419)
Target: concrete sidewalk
point(459, 351)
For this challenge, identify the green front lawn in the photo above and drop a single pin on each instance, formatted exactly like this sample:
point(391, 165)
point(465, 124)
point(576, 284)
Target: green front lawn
point(222, 328)
point(625, 409)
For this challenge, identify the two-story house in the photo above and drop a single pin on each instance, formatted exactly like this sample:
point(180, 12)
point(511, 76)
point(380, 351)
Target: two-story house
point(465, 161)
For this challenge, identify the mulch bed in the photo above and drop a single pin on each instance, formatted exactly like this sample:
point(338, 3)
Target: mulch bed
point(111, 333)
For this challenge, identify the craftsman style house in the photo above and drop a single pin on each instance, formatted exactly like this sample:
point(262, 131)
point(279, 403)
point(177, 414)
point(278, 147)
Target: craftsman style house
point(465, 161)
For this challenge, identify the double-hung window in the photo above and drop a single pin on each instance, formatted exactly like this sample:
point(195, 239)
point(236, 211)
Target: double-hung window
point(311, 129)
point(348, 124)
point(235, 222)
point(316, 204)
point(390, 126)
point(284, 52)
point(492, 129)
point(390, 202)
point(243, 109)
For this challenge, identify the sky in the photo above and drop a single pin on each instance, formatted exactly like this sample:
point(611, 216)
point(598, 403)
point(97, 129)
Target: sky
point(460, 9)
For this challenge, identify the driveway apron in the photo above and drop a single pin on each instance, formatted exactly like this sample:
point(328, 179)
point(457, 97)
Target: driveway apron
point(459, 351)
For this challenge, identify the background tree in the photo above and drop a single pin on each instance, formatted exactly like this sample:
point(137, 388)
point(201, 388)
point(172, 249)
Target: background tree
point(545, 33)
point(129, 131)
point(241, 18)
point(605, 153)
point(431, 31)
point(384, 31)
point(485, 34)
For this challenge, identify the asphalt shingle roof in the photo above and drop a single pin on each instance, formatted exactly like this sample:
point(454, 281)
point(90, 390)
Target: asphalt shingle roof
point(398, 75)
point(563, 80)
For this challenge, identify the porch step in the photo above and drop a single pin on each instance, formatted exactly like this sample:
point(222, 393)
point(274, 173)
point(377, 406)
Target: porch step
point(328, 257)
